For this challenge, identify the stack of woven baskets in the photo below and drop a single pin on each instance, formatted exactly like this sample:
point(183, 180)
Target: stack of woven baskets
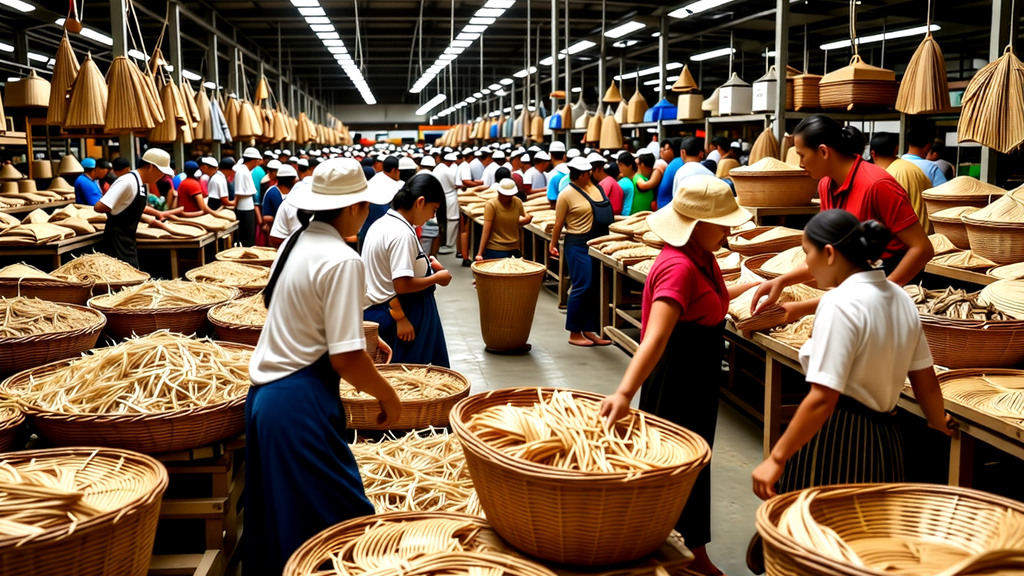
point(960, 191)
point(771, 182)
point(996, 231)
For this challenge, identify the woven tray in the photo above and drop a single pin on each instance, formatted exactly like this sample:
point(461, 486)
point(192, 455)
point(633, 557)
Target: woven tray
point(146, 433)
point(52, 290)
point(507, 306)
point(981, 394)
point(1000, 244)
point(11, 420)
point(574, 517)
point(774, 246)
point(940, 514)
point(362, 413)
point(973, 343)
point(118, 542)
point(754, 264)
point(123, 323)
point(238, 333)
point(26, 352)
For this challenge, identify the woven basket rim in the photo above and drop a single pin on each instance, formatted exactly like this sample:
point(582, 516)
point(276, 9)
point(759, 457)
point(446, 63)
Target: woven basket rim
point(928, 195)
point(37, 412)
point(477, 270)
point(991, 226)
point(965, 324)
point(223, 324)
point(101, 321)
point(258, 285)
point(45, 283)
point(17, 420)
point(151, 311)
point(471, 442)
point(385, 368)
point(966, 372)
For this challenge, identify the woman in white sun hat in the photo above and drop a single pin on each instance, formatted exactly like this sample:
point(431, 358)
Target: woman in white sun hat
point(503, 217)
point(301, 475)
point(679, 362)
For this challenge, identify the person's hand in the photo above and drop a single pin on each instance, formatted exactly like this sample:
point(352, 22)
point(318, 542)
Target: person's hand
point(765, 476)
point(406, 333)
point(390, 410)
point(444, 277)
point(772, 289)
point(435, 265)
point(479, 258)
point(553, 251)
point(948, 425)
point(792, 315)
point(613, 408)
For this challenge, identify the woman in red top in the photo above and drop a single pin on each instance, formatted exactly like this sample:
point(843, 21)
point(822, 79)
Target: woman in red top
point(832, 154)
point(679, 362)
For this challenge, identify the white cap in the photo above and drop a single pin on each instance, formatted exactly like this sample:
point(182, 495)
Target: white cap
point(251, 153)
point(525, 158)
point(406, 163)
point(564, 168)
point(533, 149)
point(498, 155)
point(273, 165)
point(581, 164)
point(336, 184)
point(301, 162)
point(518, 152)
point(162, 160)
point(541, 156)
point(467, 151)
point(269, 154)
point(286, 152)
point(451, 157)
point(428, 162)
point(277, 151)
point(286, 171)
point(557, 146)
point(211, 162)
point(572, 153)
point(507, 187)
point(587, 150)
point(595, 158)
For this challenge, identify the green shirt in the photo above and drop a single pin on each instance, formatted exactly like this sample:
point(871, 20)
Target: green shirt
point(642, 199)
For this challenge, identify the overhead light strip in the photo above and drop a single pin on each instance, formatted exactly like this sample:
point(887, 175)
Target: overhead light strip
point(87, 32)
point(712, 54)
point(918, 31)
point(697, 7)
point(321, 25)
point(18, 5)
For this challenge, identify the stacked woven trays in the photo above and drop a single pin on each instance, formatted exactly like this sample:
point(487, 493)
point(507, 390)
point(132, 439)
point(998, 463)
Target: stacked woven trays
point(35, 332)
point(115, 496)
point(22, 280)
point(557, 503)
point(806, 92)
point(873, 529)
point(255, 255)
point(428, 394)
point(996, 232)
point(948, 223)
point(771, 182)
point(108, 274)
point(960, 191)
point(858, 86)
point(765, 239)
point(633, 226)
point(507, 290)
point(174, 305)
point(175, 393)
point(994, 392)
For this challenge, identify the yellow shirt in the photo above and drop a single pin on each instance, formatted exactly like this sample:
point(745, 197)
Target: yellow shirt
point(579, 217)
point(504, 223)
point(914, 181)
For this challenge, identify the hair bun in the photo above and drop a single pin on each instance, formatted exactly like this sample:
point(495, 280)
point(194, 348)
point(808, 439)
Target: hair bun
point(874, 237)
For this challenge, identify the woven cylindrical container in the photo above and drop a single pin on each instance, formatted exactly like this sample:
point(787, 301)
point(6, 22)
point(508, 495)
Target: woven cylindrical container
point(507, 305)
point(26, 352)
point(948, 223)
point(1000, 243)
point(11, 420)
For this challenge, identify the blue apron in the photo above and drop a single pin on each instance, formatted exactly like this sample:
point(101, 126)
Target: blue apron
point(301, 477)
point(429, 346)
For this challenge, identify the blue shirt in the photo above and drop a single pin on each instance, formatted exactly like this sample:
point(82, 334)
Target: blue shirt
point(272, 201)
point(257, 176)
point(930, 169)
point(627, 195)
point(87, 191)
point(665, 189)
point(553, 183)
point(177, 180)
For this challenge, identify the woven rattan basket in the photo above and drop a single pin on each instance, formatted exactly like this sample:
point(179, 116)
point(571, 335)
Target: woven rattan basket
point(22, 353)
point(974, 343)
point(1002, 244)
point(755, 248)
point(574, 517)
point(766, 190)
point(11, 420)
point(959, 517)
point(362, 413)
point(124, 322)
point(44, 289)
point(255, 262)
point(101, 288)
point(229, 332)
point(507, 306)
point(379, 354)
point(146, 433)
point(128, 488)
point(949, 224)
point(243, 291)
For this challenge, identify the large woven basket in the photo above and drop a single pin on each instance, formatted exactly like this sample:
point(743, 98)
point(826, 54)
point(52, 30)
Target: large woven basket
point(26, 352)
point(230, 332)
point(379, 354)
point(574, 517)
point(146, 433)
point(128, 488)
point(952, 228)
point(243, 291)
point(101, 288)
point(507, 306)
point(52, 290)
point(125, 322)
point(11, 420)
point(1000, 244)
point(960, 517)
point(938, 202)
point(974, 343)
point(755, 248)
point(765, 190)
point(362, 413)
point(754, 264)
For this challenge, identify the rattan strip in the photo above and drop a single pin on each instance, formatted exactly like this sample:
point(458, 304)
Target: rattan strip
point(414, 384)
point(159, 294)
point(99, 268)
point(21, 317)
point(250, 311)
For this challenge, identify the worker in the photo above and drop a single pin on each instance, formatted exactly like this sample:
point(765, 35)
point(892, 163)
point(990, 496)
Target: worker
point(207, 168)
point(670, 153)
point(445, 173)
point(646, 181)
point(301, 477)
point(884, 147)
point(919, 145)
point(87, 191)
point(684, 305)
point(603, 176)
point(719, 149)
point(218, 185)
point(935, 155)
point(272, 200)
point(627, 172)
point(245, 194)
point(504, 215)
point(692, 152)
point(190, 192)
point(491, 163)
point(537, 174)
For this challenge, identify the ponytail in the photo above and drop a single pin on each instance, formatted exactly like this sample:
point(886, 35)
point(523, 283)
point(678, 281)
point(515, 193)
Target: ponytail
point(862, 243)
point(820, 129)
point(305, 217)
point(424, 185)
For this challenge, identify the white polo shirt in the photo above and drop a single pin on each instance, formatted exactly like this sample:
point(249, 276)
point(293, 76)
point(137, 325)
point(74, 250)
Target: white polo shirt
point(286, 222)
point(217, 187)
point(867, 337)
point(245, 188)
point(463, 174)
point(535, 178)
point(123, 192)
point(390, 251)
point(322, 283)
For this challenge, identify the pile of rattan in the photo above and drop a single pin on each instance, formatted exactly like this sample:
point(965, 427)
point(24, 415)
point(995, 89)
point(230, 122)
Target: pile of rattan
point(155, 393)
point(34, 332)
point(97, 506)
point(905, 529)
point(107, 273)
point(175, 305)
point(765, 239)
point(633, 226)
point(784, 262)
point(795, 334)
point(257, 255)
point(427, 393)
point(509, 266)
point(996, 231)
point(730, 262)
point(423, 471)
point(960, 191)
point(964, 260)
point(739, 307)
point(31, 282)
point(247, 278)
point(530, 447)
point(11, 420)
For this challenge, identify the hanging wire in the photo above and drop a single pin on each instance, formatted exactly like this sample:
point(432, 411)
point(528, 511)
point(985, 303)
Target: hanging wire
point(853, 27)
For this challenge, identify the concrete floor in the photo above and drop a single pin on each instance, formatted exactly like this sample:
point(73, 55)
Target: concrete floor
point(554, 362)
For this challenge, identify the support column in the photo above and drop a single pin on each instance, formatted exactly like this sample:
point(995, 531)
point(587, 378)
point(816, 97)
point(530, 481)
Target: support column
point(119, 32)
point(213, 71)
point(174, 34)
point(781, 60)
point(554, 59)
point(568, 78)
point(1003, 28)
point(21, 48)
point(600, 64)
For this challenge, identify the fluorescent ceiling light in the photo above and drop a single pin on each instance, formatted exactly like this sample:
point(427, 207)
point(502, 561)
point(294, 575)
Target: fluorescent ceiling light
point(712, 54)
point(448, 56)
point(321, 27)
point(454, 50)
point(580, 47)
point(482, 21)
point(697, 8)
point(627, 28)
point(625, 43)
point(18, 5)
point(546, 61)
point(478, 95)
point(461, 43)
point(577, 90)
point(503, 4)
point(209, 85)
point(6, 47)
point(467, 36)
point(524, 73)
point(334, 42)
point(505, 81)
point(501, 93)
point(474, 29)
point(328, 36)
point(87, 32)
point(879, 37)
point(318, 11)
point(771, 53)
point(519, 106)
point(13, 79)
point(317, 20)
point(470, 100)
point(190, 75)
point(38, 57)
point(485, 91)
point(489, 12)
point(507, 110)
point(305, 3)
point(656, 35)
point(337, 50)
point(495, 86)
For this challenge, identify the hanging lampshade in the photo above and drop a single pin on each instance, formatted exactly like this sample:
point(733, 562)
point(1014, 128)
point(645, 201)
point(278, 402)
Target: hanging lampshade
point(156, 107)
point(42, 169)
point(594, 128)
point(280, 130)
point(302, 134)
point(685, 83)
point(69, 166)
point(537, 128)
point(127, 104)
point(65, 70)
point(87, 107)
point(620, 112)
point(9, 173)
point(60, 185)
point(28, 92)
point(204, 128)
point(231, 110)
point(637, 107)
point(249, 125)
point(611, 133)
point(612, 95)
point(262, 90)
point(924, 88)
point(166, 131)
point(188, 96)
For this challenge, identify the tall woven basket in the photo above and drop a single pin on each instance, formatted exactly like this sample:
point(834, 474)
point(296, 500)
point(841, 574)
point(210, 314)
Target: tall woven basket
point(362, 413)
point(962, 518)
point(507, 306)
point(127, 488)
point(11, 420)
point(574, 517)
point(26, 352)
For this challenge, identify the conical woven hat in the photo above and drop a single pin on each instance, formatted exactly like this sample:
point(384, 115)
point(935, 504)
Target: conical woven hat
point(127, 108)
point(924, 88)
point(766, 146)
point(69, 165)
point(88, 105)
point(685, 82)
point(637, 107)
point(612, 95)
point(594, 128)
point(59, 184)
point(65, 70)
point(993, 105)
point(964, 187)
point(188, 96)
point(262, 91)
point(620, 112)
point(537, 128)
point(611, 134)
point(8, 172)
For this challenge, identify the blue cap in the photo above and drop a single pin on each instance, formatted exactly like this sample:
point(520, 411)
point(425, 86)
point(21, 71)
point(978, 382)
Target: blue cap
point(191, 167)
point(88, 163)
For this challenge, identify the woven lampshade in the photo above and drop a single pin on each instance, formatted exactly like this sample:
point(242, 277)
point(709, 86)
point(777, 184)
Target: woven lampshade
point(69, 165)
point(65, 70)
point(567, 116)
point(188, 96)
point(289, 126)
point(9, 187)
point(594, 128)
point(42, 169)
point(59, 184)
point(685, 82)
point(620, 112)
point(152, 96)
point(204, 127)
point(612, 95)
point(166, 131)
point(27, 186)
point(637, 107)
point(249, 125)
point(9, 173)
point(88, 105)
point(280, 127)
point(611, 133)
point(28, 92)
point(766, 146)
point(127, 107)
point(992, 112)
point(302, 132)
point(924, 88)
point(262, 91)
point(711, 104)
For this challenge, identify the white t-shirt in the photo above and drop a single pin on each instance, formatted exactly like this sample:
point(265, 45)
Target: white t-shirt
point(217, 187)
point(463, 174)
point(489, 173)
point(537, 179)
point(476, 167)
point(867, 337)
point(686, 170)
point(286, 221)
point(390, 250)
point(123, 192)
point(527, 178)
point(446, 175)
point(245, 188)
point(322, 283)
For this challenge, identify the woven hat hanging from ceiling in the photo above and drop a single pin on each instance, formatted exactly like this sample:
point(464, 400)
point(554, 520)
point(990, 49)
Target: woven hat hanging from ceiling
point(127, 105)
point(925, 87)
point(87, 107)
point(204, 128)
point(612, 95)
point(594, 128)
point(65, 70)
point(611, 133)
point(992, 112)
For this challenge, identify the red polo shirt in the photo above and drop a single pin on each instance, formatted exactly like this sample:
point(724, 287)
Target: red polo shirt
point(870, 193)
point(690, 277)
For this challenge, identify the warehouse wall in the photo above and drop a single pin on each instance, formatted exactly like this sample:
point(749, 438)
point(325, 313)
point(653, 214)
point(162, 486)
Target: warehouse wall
point(393, 113)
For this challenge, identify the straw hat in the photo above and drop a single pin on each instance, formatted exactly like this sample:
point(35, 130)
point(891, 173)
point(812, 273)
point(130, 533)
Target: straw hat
point(507, 187)
point(159, 158)
point(69, 165)
point(59, 184)
point(42, 169)
point(8, 172)
point(27, 186)
point(65, 70)
point(699, 199)
point(338, 183)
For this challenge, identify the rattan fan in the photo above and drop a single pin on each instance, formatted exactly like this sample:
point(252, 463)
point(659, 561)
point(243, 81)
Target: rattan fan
point(188, 97)
point(924, 88)
point(127, 107)
point(766, 146)
point(65, 70)
point(992, 112)
point(87, 107)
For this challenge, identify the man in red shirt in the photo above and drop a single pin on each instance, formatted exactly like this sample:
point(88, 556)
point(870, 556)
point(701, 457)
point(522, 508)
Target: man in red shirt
point(190, 192)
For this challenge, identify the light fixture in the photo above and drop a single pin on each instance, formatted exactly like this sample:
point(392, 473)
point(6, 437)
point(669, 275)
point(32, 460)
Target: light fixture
point(503, 4)
point(448, 56)
point(697, 8)
point(305, 3)
point(317, 20)
point(656, 35)
point(209, 85)
point(519, 106)
point(485, 91)
point(623, 29)
point(6, 47)
point(190, 75)
point(467, 36)
point(454, 50)
point(501, 93)
point(321, 27)
point(917, 31)
point(328, 36)
point(337, 50)
point(505, 81)
point(87, 32)
point(461, 43)
point(18, 5)
point(625, 43)
point(489, 12)
point(470, 100)
point(712, 54)
point(478, 95)
point(333, 42)
point(580, 47)
point(482, 21)
point(546, 61)
point(495, 86)
point(474, 29)
point(318, 11)
point(577, 90)
point(13, 79)
point(430, 105)
point(38, 57)
point(649, 71)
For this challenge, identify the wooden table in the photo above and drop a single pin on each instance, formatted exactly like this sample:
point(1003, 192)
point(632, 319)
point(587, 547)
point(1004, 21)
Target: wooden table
point(53, 249)
point(227, 235)
point(536, 242)
point(760, 213)
point(620, 310)
point(175, 244)
point(959, 274)
point(31, 207)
